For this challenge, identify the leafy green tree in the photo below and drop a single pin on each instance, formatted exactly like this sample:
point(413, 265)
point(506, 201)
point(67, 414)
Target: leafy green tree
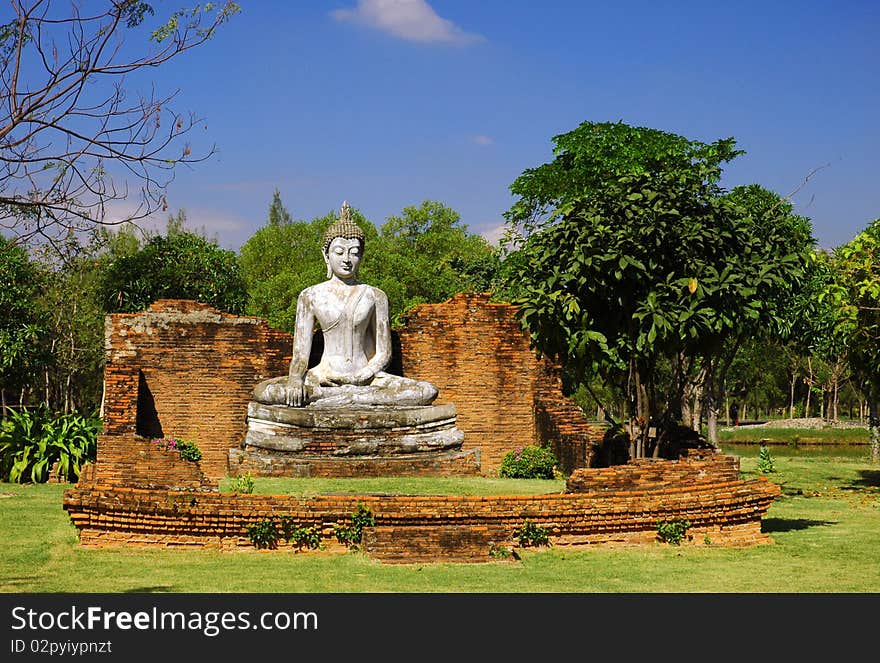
point(627, 253)
point(857, 264)
point(71, 300)
point(426, 255)
point(179, 264)
point(284, 257)
point(23, 327)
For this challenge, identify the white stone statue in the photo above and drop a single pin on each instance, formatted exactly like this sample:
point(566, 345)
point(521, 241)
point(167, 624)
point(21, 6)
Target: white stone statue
point(353, 317)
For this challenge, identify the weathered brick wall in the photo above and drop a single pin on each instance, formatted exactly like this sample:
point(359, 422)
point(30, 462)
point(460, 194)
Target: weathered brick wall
point(652, 474)
point(562, 425)
point(420, 527)
point(478, 355)
point(132, 461)
point(184, 369)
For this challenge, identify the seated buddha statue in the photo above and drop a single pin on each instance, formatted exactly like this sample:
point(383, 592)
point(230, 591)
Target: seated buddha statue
point(353, 318)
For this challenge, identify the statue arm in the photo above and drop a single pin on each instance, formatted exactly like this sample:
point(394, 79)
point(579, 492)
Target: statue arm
point(302, 347)
point(382, 329)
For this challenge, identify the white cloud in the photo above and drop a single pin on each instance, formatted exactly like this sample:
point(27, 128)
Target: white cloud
point(229, 230)
point(413, 20)
point(494, 235)
point(481, 139)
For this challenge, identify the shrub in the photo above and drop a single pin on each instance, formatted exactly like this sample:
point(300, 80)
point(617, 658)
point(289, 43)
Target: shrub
point(672, 532)
point(499, 552)
point(530, 462)
point(765, 462)
point(32, 441)
point(189, 451)
point(302, 536)
point(264, 534)
point(530, 534)
point(351, 534)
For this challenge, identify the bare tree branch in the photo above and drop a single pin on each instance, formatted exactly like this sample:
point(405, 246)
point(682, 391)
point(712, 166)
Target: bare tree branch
point(71, 139)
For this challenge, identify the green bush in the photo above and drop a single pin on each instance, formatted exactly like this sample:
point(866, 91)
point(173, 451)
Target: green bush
point(531, 534)
point(302, 536)
point(673, 531)
point(243, 485)
point(765, 461)
point(32, 441)
point(189, 451)
point(530, 462)
point(264, 534)
point(351, 534)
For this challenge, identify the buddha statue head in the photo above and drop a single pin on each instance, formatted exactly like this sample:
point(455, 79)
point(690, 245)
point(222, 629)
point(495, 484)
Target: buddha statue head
point(343, 246)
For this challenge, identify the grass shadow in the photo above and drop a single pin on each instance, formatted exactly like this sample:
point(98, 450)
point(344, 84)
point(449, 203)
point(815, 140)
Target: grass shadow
point(154, 589)
point(869, 478)
point(771, 525)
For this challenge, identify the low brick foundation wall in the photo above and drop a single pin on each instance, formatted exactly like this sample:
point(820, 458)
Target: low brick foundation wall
point(134, 461)
point(430, 527)
point(652, 474)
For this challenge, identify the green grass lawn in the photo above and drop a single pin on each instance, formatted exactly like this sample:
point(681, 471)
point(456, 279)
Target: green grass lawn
point(825, 528)
point(793, 436)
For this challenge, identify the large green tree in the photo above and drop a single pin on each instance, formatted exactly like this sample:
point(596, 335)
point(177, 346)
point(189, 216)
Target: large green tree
point(857, 264)
point(24, 328)
point(179, 264)
point(427, 255)
point(627, 253)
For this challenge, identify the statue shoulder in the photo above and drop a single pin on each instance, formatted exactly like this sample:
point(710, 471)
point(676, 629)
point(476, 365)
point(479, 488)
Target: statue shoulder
point(307, 295)
point(377, 294)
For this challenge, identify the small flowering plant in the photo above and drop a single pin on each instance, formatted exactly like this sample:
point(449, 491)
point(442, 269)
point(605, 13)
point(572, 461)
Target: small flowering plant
point(187, 450)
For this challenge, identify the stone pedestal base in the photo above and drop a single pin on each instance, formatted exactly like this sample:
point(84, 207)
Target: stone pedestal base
point(353, 441)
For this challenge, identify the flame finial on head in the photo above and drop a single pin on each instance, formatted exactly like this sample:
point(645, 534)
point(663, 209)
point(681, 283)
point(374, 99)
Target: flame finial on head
point(343, 227)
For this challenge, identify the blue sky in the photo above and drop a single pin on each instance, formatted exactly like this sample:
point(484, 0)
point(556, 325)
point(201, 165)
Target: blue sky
point(386, 103)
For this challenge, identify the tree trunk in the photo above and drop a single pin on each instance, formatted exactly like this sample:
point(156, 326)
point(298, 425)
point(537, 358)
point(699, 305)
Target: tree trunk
point(3, 399)
point(874, 431)
point(792, 384)
point(809, 381)
point(710, 409)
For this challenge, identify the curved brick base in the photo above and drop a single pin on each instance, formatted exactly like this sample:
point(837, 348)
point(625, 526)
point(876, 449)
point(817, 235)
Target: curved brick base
point(137, 494)
point(722, 509)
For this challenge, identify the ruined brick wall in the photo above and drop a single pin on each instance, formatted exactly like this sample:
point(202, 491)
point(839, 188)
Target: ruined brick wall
point(433, 527)
point(479, 356)
point(184, 369)
point(132, 461)
point(654, 474)
point(562, 425)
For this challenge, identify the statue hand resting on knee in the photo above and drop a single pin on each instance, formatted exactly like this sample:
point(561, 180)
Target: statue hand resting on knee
point(353, 317)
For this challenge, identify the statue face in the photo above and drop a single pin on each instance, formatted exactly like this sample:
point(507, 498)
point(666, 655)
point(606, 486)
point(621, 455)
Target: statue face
point(343, 257)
